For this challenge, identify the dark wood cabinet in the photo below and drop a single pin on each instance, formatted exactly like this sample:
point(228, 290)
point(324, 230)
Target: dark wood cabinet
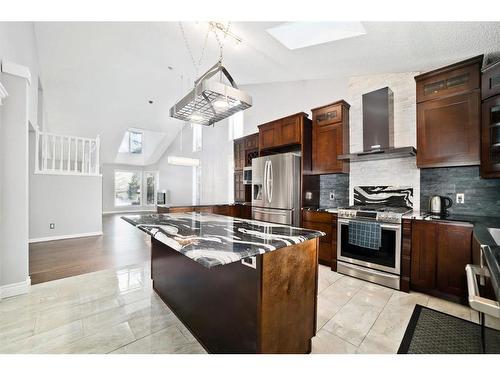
point(449, 115)
point(490, 131)
point(330, 138)
point(406, 255)
point(423, 255)
point(490, 79)
point(448, 132)
point(239, 154)
point(245, 149)
point(286, 131)
point(239, 187)
point(327, 223)
point(453, 254)
point(269, 135)
point(439, 253)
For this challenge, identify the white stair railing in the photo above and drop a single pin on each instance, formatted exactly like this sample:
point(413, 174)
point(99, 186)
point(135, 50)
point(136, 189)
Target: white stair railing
point(67, 155)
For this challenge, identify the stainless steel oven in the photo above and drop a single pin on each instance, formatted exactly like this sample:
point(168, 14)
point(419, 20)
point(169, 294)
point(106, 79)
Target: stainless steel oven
point(382, 266)
point(247, 176)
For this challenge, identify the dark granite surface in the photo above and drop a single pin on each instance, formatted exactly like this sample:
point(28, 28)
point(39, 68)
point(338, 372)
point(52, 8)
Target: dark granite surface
point(213, 240)
point(481, 195)
point(321, 209)
point(489, 247)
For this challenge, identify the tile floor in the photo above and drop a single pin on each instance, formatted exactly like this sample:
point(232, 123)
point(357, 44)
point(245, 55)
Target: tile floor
point(116, 311)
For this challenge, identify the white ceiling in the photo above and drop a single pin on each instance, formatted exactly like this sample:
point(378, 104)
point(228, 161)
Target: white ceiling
point(98, 77)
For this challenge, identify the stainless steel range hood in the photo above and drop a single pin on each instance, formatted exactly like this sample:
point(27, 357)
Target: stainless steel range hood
point(210, 100)
point(378, 129)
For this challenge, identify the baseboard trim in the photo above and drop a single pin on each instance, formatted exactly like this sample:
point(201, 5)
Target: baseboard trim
point(127, 212)
point(64, 237)
point(11, 290)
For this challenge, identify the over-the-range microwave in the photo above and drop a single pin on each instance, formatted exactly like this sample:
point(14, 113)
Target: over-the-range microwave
point(247, 176)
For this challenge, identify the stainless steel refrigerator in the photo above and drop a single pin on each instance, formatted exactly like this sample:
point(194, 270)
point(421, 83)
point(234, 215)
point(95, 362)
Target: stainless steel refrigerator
point(276, 188)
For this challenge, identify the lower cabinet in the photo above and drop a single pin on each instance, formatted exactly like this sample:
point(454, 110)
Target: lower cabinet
point(324, 222)
point(439, 253)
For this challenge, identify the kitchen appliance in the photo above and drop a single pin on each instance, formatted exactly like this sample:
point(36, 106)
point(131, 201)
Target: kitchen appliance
point(439, 205)
point(247, 176)
point(378, 129)
point(383, 205)
point(276, 188)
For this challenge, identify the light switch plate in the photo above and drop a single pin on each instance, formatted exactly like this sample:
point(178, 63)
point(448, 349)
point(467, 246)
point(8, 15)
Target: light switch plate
point(52, 226)
point(332, 195)
point(460, 198)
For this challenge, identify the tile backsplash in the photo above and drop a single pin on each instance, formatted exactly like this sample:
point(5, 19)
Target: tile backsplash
point(482, 196)
point(339, 185)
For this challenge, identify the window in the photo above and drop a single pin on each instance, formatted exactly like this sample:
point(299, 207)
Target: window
point(197, 137)
point(236, 126)
point(128, 188)
point(151, 186)
point(131, 142)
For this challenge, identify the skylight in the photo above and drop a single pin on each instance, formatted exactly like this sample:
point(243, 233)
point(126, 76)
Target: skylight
point(131, 142)
point(294, 35)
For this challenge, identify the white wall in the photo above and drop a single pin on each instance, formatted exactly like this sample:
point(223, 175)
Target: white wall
point(18, 45)
point(14, 194)
point(275, 100)
point(393, 172)
point(72, 203)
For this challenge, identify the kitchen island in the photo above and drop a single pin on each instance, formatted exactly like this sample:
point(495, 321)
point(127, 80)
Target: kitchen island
point(239, 286)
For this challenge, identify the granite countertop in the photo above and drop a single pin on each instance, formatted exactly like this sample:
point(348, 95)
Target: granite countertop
point(214, 240)
point(489, 247)
point(206, 205)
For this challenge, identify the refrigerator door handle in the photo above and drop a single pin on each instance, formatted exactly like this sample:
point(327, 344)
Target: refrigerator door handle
point(264, 182)
point(270, 181)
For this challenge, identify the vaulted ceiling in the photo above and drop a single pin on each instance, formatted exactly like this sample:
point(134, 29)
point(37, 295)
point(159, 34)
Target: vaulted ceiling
point(98, 77)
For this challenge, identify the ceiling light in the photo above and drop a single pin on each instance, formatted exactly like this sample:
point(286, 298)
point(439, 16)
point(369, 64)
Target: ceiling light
point(221, 104)
point(196, 117)
point(294, 35)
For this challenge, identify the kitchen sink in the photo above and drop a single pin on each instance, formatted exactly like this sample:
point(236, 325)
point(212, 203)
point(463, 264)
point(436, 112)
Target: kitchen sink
point(495, 233)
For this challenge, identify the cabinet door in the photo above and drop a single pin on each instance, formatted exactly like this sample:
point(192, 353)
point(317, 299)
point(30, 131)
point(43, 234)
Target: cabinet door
point(290, 131)
point(252, 142)
point(448, 131)
point(239, 154)
point(490, 135)
point(327, 146)
point(269, 135)
point(325, 242)
point(453, 254)
point(239, 188)
point(423, 255)
point(491, 81)
point(455, 81)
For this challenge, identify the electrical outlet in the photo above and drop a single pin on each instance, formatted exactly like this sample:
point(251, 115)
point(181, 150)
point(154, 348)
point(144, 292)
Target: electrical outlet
point(52, 226)
point(460, 198)
point(332, 195)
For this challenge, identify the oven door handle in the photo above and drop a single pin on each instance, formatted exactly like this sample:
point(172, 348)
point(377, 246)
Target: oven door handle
point(382, 225)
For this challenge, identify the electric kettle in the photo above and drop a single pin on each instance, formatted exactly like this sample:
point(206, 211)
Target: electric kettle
point(438, 205)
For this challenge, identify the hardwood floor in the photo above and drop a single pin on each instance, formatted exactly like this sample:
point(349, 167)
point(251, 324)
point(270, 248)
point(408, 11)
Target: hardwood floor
point(120, 245)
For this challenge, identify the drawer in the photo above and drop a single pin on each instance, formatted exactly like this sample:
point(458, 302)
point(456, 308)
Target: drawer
point(319, 217)
point(327, 115)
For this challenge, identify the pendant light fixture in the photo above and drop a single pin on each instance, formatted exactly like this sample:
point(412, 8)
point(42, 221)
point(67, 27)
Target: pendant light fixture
point(211, 100)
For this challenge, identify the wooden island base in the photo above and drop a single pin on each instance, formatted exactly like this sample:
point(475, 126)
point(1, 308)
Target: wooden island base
point(235, 308)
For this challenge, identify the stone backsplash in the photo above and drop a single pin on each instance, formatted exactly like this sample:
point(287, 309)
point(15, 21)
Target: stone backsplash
point(482, 196)
point(339, 185)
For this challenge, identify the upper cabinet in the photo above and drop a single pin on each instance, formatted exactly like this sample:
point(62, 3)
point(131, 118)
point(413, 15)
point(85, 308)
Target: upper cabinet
point(449, 115)
point(239, 154)
point(490, 134)
point(330, 138)
point(245, 149)
point(287, 131)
